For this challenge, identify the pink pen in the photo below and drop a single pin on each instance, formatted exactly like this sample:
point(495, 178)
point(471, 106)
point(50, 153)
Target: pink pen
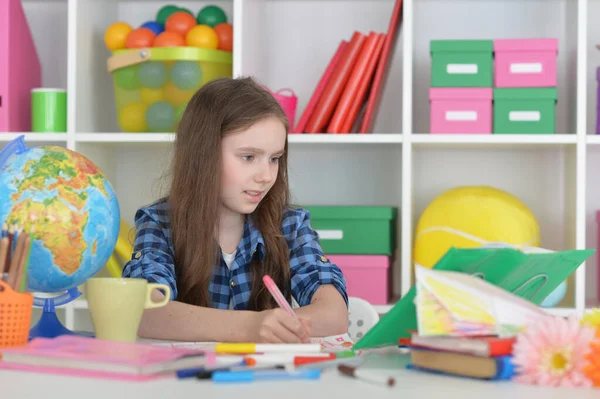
point(277, 295)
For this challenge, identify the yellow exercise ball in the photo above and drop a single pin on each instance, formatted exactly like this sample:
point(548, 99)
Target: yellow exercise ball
point(472, 216)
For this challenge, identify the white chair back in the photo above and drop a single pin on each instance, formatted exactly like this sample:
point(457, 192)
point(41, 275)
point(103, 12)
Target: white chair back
point(361, 317)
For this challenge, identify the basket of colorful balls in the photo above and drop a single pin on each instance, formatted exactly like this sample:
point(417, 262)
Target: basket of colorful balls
point(158, 66)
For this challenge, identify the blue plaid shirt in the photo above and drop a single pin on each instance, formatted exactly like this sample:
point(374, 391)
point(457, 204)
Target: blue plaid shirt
point(152, 259)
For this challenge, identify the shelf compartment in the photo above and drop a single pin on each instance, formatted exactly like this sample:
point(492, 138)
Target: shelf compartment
point(534, 19)
point(542, 178)
point(280, 51)
point(95, 105)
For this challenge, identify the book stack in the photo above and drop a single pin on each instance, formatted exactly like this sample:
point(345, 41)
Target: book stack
point(466, 326)
point(346, 97)
point(483, 357)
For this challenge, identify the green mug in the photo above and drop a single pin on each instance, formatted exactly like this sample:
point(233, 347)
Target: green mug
point(48, 110)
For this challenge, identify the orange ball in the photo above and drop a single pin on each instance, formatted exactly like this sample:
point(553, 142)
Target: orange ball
point(224, 32)
point(140, 37)
point(180, 22)
point(169, 39)
point(202, 36)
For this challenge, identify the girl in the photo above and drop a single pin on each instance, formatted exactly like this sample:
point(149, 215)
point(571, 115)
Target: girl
point(226, 223)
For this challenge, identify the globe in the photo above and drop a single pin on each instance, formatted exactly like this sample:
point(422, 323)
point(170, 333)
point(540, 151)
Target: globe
point(68, 206)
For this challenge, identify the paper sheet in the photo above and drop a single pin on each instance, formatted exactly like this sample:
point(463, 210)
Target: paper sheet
point(334, 343)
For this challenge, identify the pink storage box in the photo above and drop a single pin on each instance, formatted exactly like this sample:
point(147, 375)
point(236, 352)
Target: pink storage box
point(19, 68)
point(461, 110)
point(367, 276)
point(598, 256)
point(525, 62)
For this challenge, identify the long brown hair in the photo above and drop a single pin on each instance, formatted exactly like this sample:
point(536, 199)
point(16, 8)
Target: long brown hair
point(219, 107)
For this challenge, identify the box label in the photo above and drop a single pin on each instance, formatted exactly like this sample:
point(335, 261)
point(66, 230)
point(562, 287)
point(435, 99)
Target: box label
point(461, 115)
point(330, 234)
point(461, 69)
point(524, 116)
point(531, 67)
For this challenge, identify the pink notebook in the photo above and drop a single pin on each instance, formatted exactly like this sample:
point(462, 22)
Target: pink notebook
point(92, 357)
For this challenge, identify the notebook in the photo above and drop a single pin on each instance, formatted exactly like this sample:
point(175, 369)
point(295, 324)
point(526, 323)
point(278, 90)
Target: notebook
point(458, 364)
point(100, 358)
point(487, 346)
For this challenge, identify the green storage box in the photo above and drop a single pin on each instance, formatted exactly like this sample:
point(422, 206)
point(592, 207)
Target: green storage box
point(525, 110)
point(462, 63)
point(364, 230)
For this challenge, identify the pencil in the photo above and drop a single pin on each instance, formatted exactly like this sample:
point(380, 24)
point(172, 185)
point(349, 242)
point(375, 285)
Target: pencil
point(23, 261)
point(9, 250)
point(28, 245)
point(13, 271)
point(3, 254)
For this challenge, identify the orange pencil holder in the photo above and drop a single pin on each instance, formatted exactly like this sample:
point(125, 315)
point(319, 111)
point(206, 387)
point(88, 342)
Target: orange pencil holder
point(15, 316)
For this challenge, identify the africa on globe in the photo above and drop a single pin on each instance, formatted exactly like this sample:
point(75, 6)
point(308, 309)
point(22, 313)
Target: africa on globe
point(69, 207)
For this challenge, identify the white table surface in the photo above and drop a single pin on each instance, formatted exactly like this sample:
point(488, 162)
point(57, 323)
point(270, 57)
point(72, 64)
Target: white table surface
point(332, 384)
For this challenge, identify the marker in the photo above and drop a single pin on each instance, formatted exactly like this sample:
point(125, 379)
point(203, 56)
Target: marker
point(249, 376)
point(194, 371)
point(355, 372)
point(278, 296)
point(207, 374)
point(350, 361)
point(247, 348)
point(284, 358)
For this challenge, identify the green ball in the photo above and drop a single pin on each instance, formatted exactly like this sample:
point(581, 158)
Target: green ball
point(211, 16)
point(165, 12)
point(127, 78)
point(186, 75)
point(179, 112)
point(153, 74)
point(160, 117)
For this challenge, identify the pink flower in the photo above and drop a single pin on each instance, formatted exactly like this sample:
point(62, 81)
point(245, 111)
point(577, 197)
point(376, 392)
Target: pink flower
point(552, 351)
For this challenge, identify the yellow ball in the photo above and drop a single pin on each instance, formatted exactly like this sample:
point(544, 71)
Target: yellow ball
point(116, 34)
point(132, 117)
point(214, 70)
point(468, 217)
point(202, 36)
point(176, 96)
point(150, 95)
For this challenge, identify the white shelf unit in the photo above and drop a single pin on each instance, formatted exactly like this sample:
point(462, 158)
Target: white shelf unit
point(287, 43)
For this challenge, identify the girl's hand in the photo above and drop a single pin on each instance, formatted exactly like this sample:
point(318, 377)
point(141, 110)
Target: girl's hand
point(278, 326)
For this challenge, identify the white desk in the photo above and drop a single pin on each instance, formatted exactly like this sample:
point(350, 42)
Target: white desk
point(409, 384)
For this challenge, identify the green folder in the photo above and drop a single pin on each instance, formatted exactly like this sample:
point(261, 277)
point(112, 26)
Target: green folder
point(532, 276)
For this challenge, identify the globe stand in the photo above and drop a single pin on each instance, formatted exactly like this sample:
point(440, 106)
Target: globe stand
point(49, 326)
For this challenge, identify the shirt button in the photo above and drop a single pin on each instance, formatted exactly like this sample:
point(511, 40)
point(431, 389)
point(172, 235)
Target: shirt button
point(323, 259)
point(138, 255)
point(232, 283)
